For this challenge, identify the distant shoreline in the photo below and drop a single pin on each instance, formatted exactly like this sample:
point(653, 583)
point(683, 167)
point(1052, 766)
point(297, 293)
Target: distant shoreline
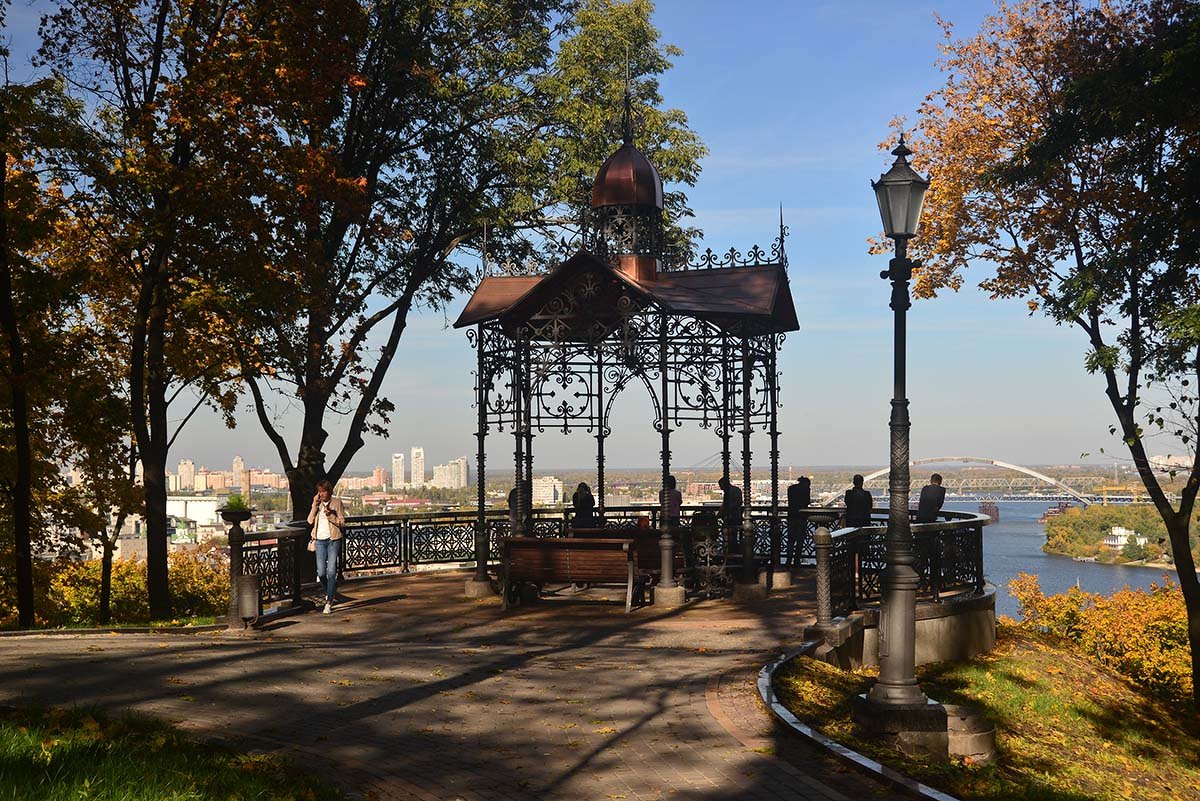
point(1167, 566)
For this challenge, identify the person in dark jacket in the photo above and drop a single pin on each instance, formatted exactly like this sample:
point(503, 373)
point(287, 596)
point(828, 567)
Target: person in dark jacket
point(584, 506)
point(731, 513)
point(933, 495)
point(799, 498)
point(858, 505)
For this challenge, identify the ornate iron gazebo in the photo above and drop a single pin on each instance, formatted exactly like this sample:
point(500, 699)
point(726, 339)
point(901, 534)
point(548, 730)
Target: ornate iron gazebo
point(555, 349)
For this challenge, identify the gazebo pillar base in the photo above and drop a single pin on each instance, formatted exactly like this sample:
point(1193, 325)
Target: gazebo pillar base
point(749, 592)
point(478, 589)
point(780, 578)
point(669, 597)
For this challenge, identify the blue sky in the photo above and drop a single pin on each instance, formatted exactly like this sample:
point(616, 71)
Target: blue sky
point(791, 99)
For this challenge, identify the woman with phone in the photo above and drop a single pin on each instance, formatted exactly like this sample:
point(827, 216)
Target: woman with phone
point(327, 517)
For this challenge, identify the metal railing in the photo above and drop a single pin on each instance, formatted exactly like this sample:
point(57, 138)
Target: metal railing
point(949, 554)
point(949, 560)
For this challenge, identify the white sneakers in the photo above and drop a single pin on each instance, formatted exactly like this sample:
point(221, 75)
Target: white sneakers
point(327, 610)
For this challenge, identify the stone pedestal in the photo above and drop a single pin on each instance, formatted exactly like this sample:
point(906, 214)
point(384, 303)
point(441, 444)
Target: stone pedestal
point(668, 597)
point(749, 592)
point(970, 735)
point(781, 579)
point(916, 729)
point(478, 589)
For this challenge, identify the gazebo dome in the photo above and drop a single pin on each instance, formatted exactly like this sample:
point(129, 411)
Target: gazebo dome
point(627, 179)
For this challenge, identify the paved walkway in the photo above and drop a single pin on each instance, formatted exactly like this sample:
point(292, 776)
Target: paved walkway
point(408, 691)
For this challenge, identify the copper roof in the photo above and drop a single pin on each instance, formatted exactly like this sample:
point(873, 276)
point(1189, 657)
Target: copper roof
point(627, 178)
point(758, 297)
point(495, 294)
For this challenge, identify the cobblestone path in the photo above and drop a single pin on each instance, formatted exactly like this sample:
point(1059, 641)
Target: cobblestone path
point(409, 692)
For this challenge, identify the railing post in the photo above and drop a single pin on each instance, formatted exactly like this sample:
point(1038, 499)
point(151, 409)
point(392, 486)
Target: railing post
point(405, 545)
point(297, 549)
point(934, 547)
point(237, 539)
point(823, 544)
point(977, 544)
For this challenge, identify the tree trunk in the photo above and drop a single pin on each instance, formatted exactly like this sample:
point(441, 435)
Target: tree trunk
point(106, 564)
point(1189, 585)
point(154, 480)
point(23, 485)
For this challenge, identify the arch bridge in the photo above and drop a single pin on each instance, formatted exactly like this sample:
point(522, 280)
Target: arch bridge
point(1083, 499)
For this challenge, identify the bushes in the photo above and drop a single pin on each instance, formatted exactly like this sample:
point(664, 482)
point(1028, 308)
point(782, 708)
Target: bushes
point(1140, 633)
point(68, 592)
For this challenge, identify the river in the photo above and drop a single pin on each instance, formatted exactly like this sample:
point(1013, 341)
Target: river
point(1014, 545)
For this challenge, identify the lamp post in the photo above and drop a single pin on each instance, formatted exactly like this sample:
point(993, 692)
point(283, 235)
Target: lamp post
point(900, 192)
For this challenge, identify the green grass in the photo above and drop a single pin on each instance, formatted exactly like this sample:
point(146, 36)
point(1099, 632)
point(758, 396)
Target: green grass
point(56, 755)
point(1067, 729)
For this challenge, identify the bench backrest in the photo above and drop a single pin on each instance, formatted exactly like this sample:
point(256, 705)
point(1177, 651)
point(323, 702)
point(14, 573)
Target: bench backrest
point(591, 559)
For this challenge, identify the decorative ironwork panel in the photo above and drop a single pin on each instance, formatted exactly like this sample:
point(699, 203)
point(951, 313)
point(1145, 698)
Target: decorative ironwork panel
point(842, 561)
point(869, 552)
point(547, 528)
point(272, 562)
point(961, 559)
point(434, 541)
point(373, 545)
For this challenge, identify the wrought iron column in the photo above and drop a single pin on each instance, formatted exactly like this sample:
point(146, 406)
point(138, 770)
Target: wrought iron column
point(516, 509)
point(897, 682)
point(666, 545)
point(481, 533)
point(527, 407)
point(749, 574)
point(726, 416)
point(600, 431)
point(773, 399)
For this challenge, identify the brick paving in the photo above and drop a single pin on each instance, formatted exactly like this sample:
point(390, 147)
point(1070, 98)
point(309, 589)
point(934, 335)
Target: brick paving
point(409, 691)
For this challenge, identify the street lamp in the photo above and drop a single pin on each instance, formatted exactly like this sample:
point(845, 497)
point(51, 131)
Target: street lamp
point(900, 192)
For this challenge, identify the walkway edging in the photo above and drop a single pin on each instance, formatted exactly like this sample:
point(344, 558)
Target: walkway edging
point(766, 691)
point(205, 629)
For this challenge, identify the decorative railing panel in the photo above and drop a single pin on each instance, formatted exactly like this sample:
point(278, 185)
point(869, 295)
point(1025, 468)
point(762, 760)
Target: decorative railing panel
point(274, 562)
point(373, 545)
point(842, 568)
point(441, 541)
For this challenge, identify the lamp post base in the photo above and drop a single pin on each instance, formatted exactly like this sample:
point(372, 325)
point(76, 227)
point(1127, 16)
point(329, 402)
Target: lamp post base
point(916, 729)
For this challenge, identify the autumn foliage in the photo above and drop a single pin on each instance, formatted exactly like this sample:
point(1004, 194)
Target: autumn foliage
point(68, 591)
point(1140, 633)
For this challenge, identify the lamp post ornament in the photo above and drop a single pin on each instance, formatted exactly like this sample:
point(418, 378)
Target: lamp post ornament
point(900, 193)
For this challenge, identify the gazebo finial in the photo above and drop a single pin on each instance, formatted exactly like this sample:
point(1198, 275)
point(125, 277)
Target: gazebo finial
point(627, 111)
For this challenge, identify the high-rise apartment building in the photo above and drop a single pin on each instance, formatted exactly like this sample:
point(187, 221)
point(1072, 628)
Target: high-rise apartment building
point(547, 491)
point(398, 471)
point(454, 475)
point(187, 474)
point(379, 478)
point(418, 467)
point(239, 464)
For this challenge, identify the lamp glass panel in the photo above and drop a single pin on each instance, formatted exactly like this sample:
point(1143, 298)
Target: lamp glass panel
point(899, 200)
point(916, 201)
point(885, 210)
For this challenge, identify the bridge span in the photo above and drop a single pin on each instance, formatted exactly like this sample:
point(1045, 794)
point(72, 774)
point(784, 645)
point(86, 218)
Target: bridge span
point(1063, 488)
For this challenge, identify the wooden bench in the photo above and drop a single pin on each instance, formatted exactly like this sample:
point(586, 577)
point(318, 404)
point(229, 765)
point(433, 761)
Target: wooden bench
point(592, 560)
point(648, 547)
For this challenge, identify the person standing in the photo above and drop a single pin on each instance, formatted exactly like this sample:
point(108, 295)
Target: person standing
point(799, 498)
point(584, 507)
point(327, 517)
point(933, 495)
point(731, 512)
point(674, 499)
point(858, 505)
